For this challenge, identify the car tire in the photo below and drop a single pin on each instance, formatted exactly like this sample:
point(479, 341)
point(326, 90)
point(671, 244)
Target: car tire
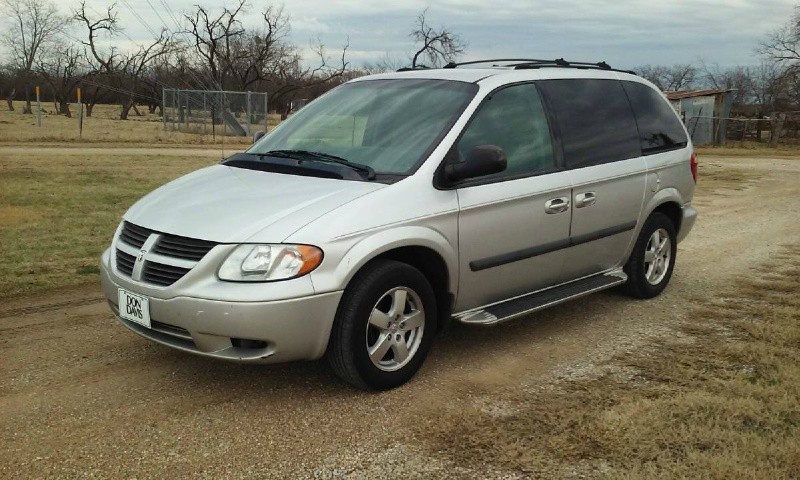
point(653, 258)
point(384, 326)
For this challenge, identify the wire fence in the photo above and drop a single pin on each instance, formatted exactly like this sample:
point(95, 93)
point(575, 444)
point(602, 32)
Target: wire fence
point(780, 128)
point(215, 112)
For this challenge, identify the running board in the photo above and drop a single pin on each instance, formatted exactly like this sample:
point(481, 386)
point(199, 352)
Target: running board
point(533, 302)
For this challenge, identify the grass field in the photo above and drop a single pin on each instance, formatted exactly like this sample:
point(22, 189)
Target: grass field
point(58, 211)
point(103, 127)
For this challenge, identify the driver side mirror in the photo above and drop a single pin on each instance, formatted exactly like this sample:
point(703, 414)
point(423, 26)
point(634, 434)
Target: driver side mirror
point(481, 160)
point(258, 135)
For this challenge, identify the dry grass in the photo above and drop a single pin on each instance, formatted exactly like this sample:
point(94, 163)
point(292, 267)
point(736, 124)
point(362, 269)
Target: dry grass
point(103, 127)
point(715, 176)
point(749, 149)
point(719, 400)
point(58, 211)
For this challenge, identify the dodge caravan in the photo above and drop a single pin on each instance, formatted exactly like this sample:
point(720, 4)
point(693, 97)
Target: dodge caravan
point(396, 203)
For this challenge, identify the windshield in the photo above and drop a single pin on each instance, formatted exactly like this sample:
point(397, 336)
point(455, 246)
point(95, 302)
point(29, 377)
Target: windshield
point(389, 125)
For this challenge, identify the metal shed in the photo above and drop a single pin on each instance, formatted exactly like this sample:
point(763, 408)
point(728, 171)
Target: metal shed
point(704, 112)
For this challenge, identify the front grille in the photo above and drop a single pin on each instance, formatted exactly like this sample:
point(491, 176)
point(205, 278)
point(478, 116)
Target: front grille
point(134, 235)
point(125, 262)
point(182, 247)
point(158, 267)
point(161, 274)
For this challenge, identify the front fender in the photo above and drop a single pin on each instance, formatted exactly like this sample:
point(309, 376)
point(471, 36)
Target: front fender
point(372, 245)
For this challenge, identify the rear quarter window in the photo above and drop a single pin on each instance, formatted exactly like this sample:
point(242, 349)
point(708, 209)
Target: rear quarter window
point(659, 127)
point(594, 119)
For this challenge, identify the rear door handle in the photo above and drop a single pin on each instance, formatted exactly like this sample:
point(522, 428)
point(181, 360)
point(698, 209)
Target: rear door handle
point(557, 205)
point(585, 199)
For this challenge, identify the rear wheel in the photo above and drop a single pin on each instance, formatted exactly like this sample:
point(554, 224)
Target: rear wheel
point(650, 267)
point(384, 326)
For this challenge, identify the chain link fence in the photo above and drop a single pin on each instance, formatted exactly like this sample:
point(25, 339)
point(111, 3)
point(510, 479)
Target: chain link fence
point(215, 112)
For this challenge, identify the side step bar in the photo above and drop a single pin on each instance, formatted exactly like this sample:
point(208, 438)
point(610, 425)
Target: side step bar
point(533, 302)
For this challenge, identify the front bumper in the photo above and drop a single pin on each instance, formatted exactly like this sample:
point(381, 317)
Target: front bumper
point(258, 332)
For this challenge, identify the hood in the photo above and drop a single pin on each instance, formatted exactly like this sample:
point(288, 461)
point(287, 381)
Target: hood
point(230, 205)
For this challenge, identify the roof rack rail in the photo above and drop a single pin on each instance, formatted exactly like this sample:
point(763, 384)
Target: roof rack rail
point(492, 60)
point(526, 63)
point(411, 69)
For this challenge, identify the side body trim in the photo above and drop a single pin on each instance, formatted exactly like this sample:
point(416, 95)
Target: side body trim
point(515, 256)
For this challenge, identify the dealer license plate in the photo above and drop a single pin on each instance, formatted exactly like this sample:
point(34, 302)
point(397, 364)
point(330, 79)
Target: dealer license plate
point(135, 308)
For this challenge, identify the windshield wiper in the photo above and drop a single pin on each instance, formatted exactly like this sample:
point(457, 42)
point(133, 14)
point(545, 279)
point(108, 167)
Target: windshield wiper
point(322, 157)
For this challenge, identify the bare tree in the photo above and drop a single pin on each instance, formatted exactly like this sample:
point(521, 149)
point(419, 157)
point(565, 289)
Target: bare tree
point(436, 46)
point(290, 76)
point(7, 85)
point(383, 64)
point(771, 87)
point(125, 72)
point(783, 45)
point(213, 37)
point(736, 78)
point(33, 24)
point(676, 77)
point(61, 69)
point(231, 56)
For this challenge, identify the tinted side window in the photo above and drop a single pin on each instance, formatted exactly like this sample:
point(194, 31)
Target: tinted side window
point(659, 128)
point(514, 120)
point(594, 120)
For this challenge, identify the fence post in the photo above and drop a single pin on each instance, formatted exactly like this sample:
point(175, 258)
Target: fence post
point(777, 127)
point(266, 113)
point(80, 114)
point(164, 107)
point(38, 108)
point(249, 116)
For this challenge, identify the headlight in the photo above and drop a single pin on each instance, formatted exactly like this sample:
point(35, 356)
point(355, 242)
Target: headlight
point(264, 263)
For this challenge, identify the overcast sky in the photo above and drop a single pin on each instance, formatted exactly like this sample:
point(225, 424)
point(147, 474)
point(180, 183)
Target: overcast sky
point(625, 33)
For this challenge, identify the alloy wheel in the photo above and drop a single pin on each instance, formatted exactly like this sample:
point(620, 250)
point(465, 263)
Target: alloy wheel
point(395, 328)
point(657, 256)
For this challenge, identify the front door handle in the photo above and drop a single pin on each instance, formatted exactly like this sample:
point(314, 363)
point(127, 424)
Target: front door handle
point(585, 199)
point(557, 205)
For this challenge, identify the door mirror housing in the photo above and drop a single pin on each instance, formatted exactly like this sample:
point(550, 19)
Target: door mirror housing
point(258, 135)
point(481, 160)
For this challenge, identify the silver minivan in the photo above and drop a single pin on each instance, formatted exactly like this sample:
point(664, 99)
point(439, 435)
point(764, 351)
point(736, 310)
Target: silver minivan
point(399, 202)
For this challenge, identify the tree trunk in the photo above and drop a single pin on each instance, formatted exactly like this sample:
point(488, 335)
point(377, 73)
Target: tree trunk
point(10, 99)
point(63, 108)
point(127, 104)
point(777, 129)
point(27, 108)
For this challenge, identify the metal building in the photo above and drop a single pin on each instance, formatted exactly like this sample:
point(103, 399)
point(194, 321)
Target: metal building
point(704, 112)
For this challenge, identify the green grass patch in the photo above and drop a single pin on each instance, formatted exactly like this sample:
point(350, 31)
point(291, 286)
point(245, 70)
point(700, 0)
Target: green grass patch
point(58, 212)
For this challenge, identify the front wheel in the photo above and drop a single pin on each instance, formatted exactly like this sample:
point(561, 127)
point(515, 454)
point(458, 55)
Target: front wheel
point(653, 258)
point(384, 326)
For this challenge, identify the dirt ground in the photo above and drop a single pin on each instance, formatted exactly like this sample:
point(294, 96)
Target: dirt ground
point(80, 395)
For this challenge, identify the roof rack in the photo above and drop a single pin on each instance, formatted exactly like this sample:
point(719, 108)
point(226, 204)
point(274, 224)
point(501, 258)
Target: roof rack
point(527, 63)
point(411, 69)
